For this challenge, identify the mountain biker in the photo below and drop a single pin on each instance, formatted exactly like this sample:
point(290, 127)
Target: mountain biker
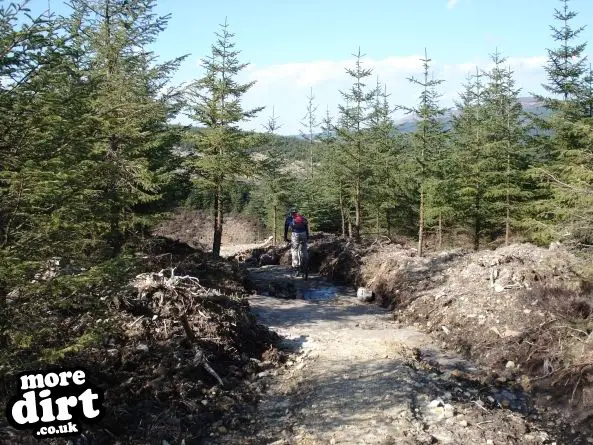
point(299, 228)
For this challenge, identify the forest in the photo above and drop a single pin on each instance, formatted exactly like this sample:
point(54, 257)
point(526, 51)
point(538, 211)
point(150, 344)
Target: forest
point(92, 160)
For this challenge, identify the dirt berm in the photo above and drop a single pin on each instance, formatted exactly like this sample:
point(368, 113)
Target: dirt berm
point(171, 349)
point(521, 312)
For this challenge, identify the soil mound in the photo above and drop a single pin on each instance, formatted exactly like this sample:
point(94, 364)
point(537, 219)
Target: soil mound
point(174, 348)
point(523, 312)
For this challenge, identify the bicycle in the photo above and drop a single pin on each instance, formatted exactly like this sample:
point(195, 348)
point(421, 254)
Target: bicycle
point(302, 260)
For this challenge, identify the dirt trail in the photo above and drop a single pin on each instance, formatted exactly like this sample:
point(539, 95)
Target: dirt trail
point(356, 378)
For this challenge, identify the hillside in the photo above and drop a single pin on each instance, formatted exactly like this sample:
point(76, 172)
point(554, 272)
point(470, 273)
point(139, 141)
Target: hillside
point(408, 123)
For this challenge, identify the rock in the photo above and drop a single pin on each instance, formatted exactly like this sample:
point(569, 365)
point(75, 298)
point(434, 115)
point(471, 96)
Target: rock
point(436, 403)
point(556, 245)
point(463, 423)
point(443, 437)
point(267, 260)
point(449, 411)
point(510, 364)
point(142, 347)
point(365, 294)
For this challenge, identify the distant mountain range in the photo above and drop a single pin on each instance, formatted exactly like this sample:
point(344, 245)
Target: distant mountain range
point(408, 124)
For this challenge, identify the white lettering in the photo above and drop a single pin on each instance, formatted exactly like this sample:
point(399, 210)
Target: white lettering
point(29, 404)
point(51, 380)
point(78, 377)
point(63, 403)
point(64, 376)
point(46, 406)
point(32, 381)
point(87, 398)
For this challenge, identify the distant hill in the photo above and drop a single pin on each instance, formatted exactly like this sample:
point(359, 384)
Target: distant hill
point(408, 124)
point(529, 104)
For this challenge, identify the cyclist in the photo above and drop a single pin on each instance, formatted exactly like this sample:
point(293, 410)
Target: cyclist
point(299, 228)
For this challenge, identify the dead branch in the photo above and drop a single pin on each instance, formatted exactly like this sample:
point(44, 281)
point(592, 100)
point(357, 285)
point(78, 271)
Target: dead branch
point(200, 359)
point(199, 356)
point(568, 186)
point(187, 328)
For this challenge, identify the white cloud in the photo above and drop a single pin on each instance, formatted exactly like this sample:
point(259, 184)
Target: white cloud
point(452, 3)
point(286, 86)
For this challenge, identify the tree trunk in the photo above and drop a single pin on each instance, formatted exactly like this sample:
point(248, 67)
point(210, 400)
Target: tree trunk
point(343, 214)
point(477, 223)
point(508, 198)
point(440, 236)
point(311, 157)
point(387, 217)
point(377, 223)
point(508, 226)
point(421, 222)
point(275, 228)
point(217, 240)
point(349, 223)
point(356, 227)
point(116, 237)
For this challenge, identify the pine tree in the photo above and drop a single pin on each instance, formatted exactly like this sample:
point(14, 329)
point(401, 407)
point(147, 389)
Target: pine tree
point(471, 158)
point(330, 179)
point(505, 142)
point(128, 134)
point(310, 124)
point(566, 64)
point(357, 157)
point(29, 54)
point(215, 102)
point(382, 184)
point(274, 179)
point(428, 139)
point(567, 147)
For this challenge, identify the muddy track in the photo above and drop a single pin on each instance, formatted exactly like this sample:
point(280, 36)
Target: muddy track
point(354, 377)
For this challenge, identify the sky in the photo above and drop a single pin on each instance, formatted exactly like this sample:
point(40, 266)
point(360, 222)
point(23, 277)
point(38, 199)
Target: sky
point(295, 47)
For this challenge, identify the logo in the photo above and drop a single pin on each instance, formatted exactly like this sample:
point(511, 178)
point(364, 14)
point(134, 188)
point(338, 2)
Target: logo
point(55, 403)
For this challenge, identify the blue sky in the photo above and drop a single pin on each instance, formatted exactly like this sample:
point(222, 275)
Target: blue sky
point(293, 46)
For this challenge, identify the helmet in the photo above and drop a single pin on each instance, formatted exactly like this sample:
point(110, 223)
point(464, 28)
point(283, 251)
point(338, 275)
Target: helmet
point(292, 210)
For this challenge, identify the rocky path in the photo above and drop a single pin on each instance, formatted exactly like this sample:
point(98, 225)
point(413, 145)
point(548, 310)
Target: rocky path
point(356, 378)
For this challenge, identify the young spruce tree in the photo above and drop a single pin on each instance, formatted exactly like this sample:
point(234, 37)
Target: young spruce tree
point(221, 149)
point(428, 141)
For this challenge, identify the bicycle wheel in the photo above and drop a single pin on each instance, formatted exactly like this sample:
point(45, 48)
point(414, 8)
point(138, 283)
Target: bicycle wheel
point(304, 262)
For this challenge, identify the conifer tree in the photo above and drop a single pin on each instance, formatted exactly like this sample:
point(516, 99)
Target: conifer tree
point(566, 64)
point(357, 157)
point(428, 140)
point(505, 142)
point(382, 183)
point(215, 102)
point(331, 176)
point(274, 179)
point(310, 124)
point(28, 56)
point(129, 108)
point(471, 158)
point(567, 147)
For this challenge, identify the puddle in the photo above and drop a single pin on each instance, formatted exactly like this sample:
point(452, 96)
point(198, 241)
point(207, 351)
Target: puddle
point(320, 293)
